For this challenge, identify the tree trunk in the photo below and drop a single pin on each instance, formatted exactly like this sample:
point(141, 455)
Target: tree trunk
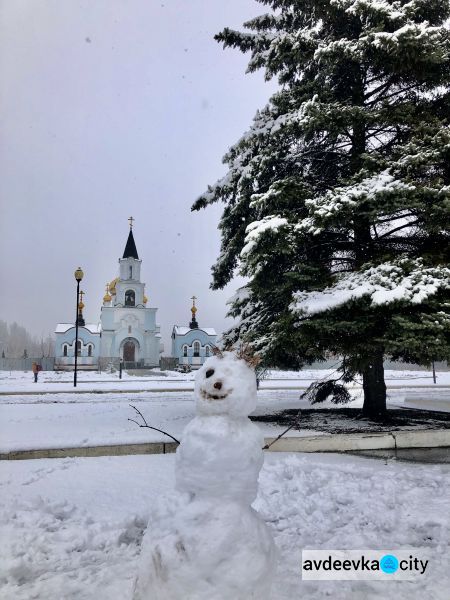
point(374, 387)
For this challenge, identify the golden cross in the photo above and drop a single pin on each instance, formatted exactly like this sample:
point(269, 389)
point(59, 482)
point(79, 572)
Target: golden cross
point(130, 219)
point(194, 298)
point(81, 294)
point(107, 288)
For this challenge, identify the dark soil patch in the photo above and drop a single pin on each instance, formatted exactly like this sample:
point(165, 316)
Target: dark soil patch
point(349, 420)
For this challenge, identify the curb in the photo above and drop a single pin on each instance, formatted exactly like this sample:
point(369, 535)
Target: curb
point(337, 442)
point(348, 442)
point(91, 451)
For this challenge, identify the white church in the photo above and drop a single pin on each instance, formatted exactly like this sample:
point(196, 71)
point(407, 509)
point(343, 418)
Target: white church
point(128, 330)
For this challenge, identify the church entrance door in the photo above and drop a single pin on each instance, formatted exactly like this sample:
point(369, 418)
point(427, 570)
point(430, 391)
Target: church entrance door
point(129, 352)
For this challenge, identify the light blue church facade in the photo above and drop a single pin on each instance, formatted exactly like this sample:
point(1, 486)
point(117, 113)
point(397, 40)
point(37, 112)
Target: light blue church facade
point(192, 345)
point(88, 345)
point(128, 330)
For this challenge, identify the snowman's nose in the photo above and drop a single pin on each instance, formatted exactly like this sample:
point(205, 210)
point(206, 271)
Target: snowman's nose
point(218, 385)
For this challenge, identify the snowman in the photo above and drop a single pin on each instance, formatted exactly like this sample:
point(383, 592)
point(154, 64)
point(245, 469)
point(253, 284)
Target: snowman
point(207, 542)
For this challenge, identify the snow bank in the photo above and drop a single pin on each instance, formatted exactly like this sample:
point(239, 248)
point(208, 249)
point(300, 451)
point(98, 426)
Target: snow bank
point(72, 528)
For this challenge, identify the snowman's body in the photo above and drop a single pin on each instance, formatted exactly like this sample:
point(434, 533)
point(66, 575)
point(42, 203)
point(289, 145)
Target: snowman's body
point(208, 543)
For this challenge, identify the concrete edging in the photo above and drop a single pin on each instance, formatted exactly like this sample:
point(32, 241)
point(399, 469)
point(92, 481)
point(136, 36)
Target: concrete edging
point(337, 442)
point(345, 442)
point(91, 451)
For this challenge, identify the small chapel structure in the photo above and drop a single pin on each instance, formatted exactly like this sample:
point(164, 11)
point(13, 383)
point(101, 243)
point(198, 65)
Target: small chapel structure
point(192, 345)
point(127, 330)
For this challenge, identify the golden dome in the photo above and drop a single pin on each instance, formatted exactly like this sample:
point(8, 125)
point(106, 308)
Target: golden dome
point(107, 297)
point(80, 306)
point(194, 309)
point(145, 299)
point(112, 286)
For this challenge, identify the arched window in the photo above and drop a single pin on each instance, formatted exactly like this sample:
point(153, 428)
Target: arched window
point(207, 351)
point(79, 348)
point(89, 349)
point(131, 272)
point(196, 348)
point(129, 298)
point(185, 348)
point(65, 350)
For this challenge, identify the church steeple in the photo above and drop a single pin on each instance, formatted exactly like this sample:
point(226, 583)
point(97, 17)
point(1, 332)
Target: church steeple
point(193, 324)
point(80, 318)
point(130, 248)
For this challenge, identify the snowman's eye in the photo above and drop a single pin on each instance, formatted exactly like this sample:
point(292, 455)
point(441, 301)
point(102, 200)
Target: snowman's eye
point(209, 372)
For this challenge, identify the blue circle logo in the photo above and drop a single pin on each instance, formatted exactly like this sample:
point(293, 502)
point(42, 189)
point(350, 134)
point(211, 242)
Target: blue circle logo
point(389, 563)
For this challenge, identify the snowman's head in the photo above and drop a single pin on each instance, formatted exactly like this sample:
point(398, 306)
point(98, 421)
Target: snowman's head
point(225, 385)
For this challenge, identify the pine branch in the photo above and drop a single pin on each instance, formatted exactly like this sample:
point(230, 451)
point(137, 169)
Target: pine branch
point(380, 88)
point(388, 233)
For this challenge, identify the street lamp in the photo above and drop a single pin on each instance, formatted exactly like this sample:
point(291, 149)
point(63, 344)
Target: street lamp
point(78, 276)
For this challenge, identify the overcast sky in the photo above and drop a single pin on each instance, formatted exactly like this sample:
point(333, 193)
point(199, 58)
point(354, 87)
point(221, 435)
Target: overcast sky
point(112, 108)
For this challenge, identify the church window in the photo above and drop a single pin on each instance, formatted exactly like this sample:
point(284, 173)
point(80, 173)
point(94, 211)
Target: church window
point(196, 348)
point(129, 328)
point(129, 298)
point(65, 350)
point(131, 272)
point(206, 350)
point(79, 348)
point(185, 349)
point(89, 349)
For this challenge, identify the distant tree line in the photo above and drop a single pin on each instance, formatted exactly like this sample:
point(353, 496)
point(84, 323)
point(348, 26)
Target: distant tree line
point(17, 342)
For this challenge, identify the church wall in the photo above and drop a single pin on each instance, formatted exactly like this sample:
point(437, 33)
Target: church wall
point(124, 269)
point(179, 341)
point(86, 338)
point(121, 323)
point(122, 288)
point(68, 337)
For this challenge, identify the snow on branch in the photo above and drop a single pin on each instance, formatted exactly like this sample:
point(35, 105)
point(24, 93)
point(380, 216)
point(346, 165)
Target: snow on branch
point(393, 10)
point(405, 280)
point(422, 34)
point(340, 198)
point(257, 228)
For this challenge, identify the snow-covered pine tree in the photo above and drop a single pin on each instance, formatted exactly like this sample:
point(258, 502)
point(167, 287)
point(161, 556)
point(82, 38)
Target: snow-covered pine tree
point(337, 199)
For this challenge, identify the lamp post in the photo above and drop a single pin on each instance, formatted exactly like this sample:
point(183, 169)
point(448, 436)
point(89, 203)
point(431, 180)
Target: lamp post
point(78, 276)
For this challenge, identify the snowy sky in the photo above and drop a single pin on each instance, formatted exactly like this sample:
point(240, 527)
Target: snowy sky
point(112, 108)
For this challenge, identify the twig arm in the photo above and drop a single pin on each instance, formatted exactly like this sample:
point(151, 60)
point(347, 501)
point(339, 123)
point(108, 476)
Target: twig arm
point(146, 425)
point(296, 422)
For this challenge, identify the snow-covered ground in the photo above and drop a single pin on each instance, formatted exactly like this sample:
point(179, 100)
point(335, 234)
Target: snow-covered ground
point(99, 415)
point(71, 528)
point(16, 382)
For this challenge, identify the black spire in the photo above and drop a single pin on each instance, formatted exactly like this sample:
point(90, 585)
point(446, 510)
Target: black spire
point(130, 249)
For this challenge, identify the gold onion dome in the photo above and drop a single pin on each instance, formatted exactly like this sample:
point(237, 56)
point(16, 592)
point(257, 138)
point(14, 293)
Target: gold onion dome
point(112, 286)
point(107, 297)
point(194, 309)
point(80, 305)
point(145, 299)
